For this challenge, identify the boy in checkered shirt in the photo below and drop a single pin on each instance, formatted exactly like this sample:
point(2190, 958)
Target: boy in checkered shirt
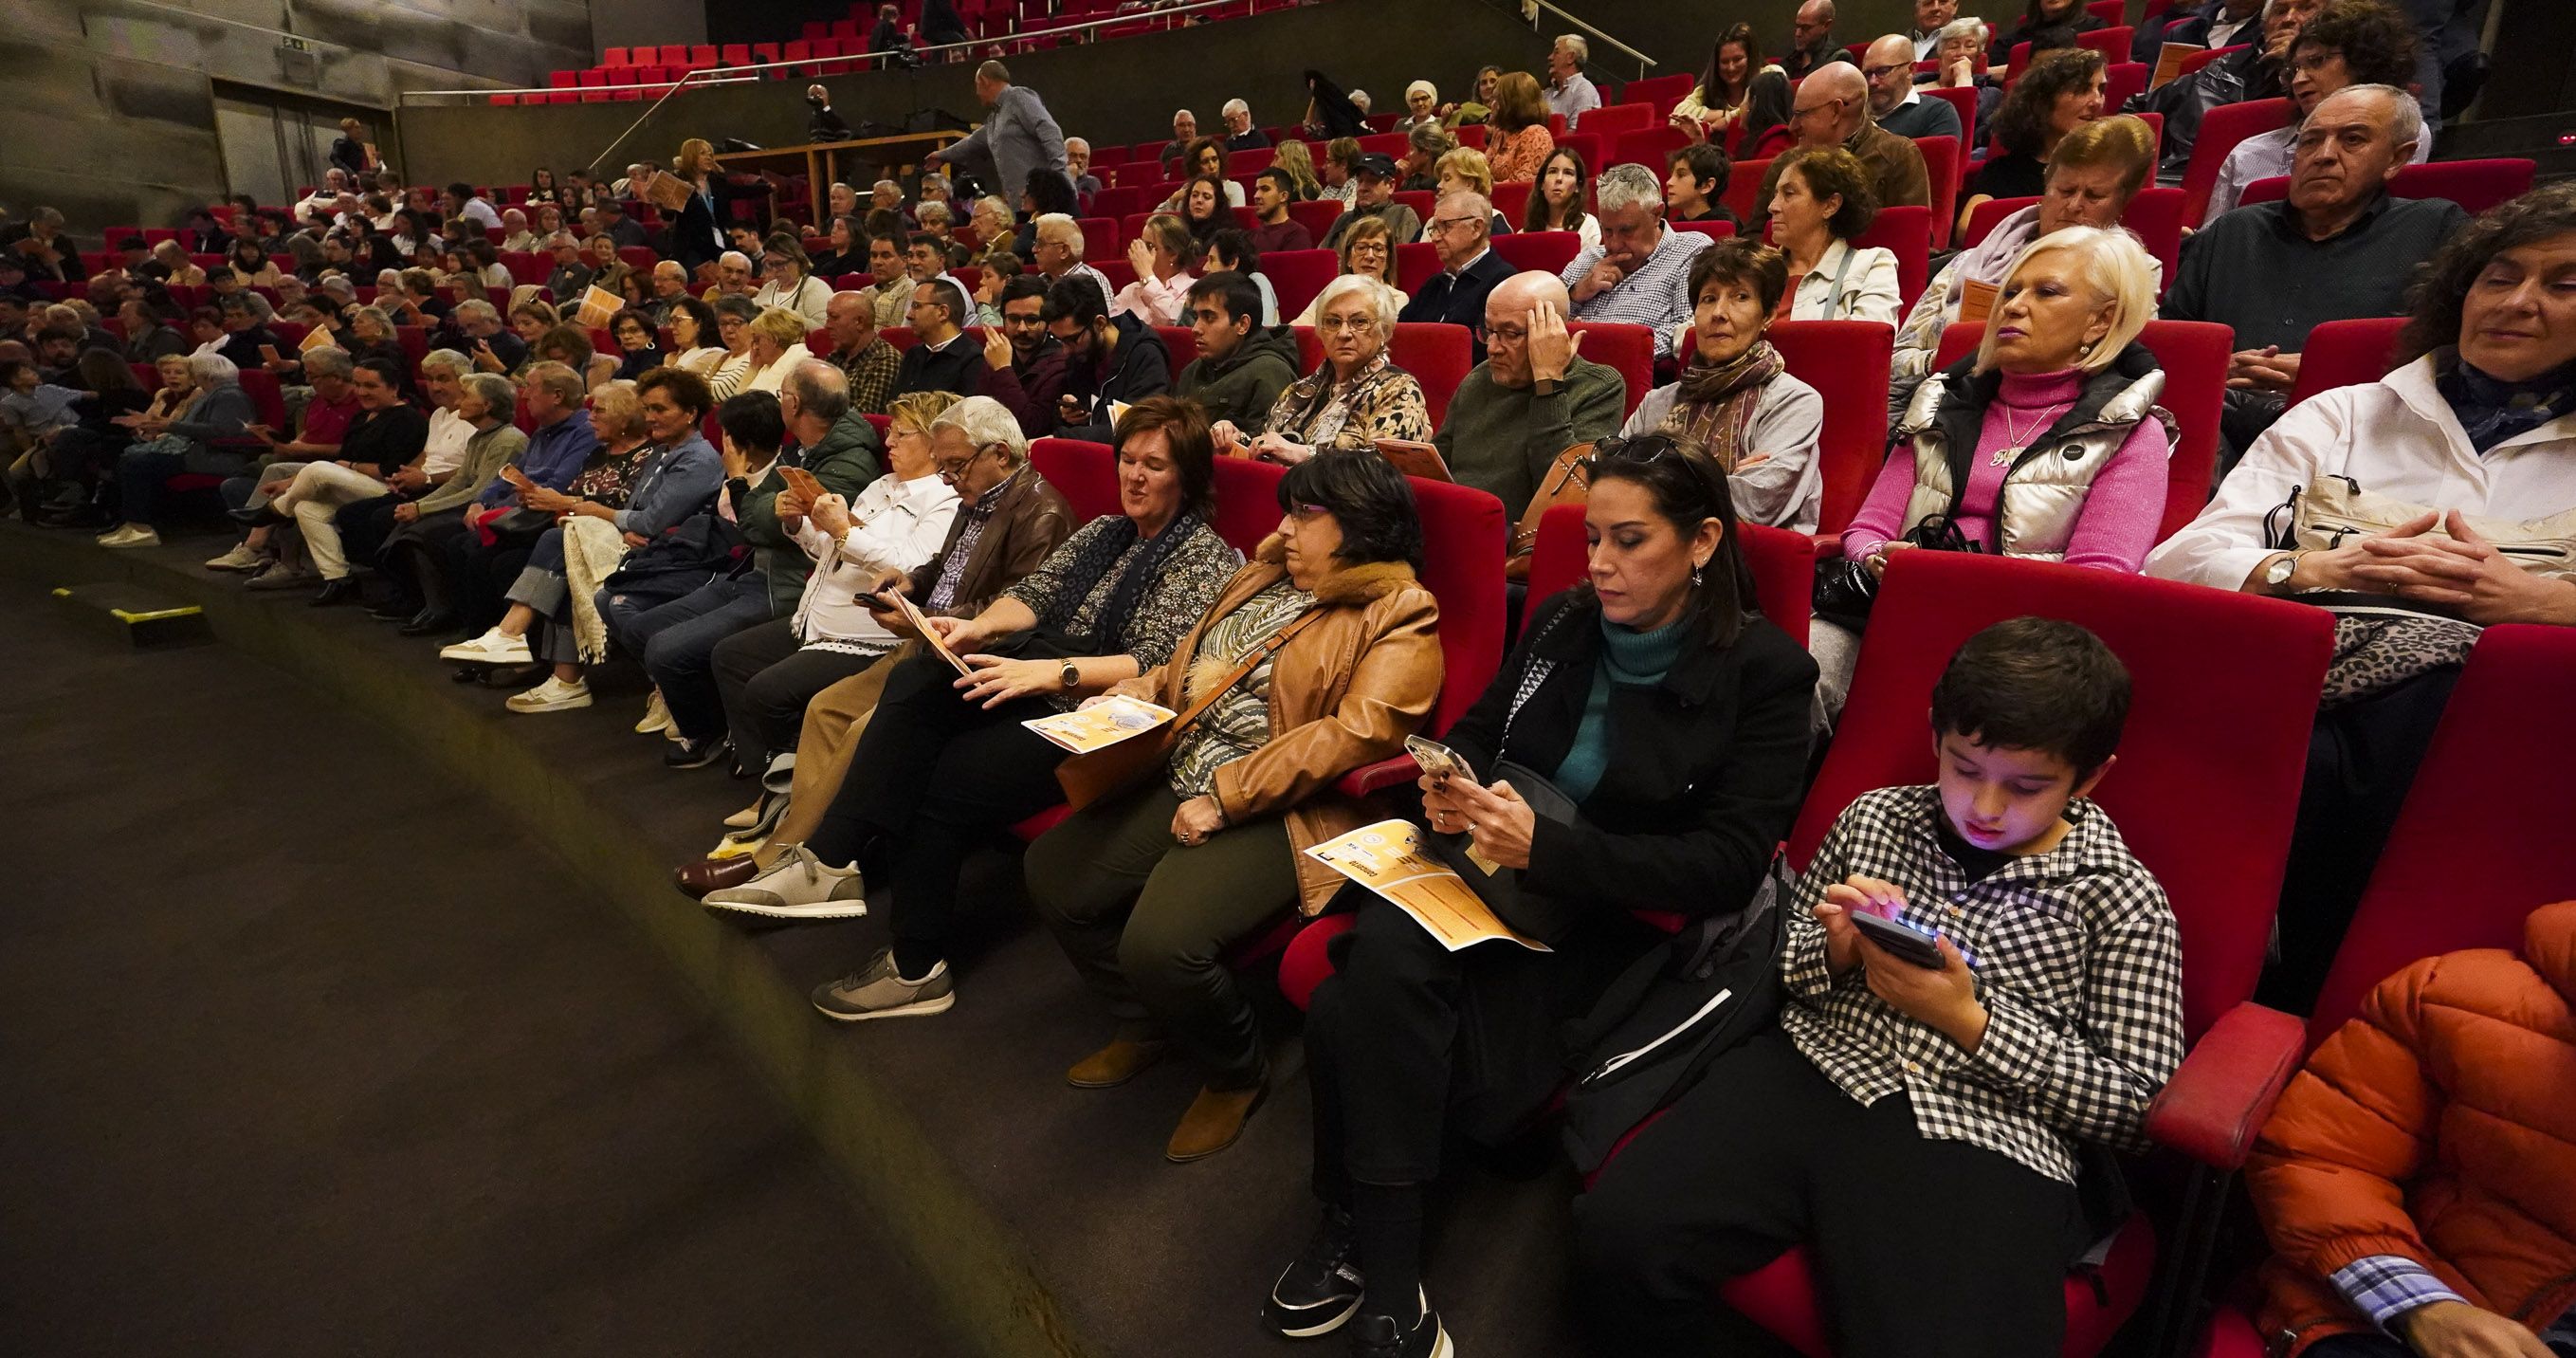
point(1917, 1127)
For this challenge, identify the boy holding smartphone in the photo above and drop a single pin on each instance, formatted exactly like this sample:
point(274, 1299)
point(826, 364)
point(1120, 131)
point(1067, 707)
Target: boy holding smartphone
point(1914, 1125)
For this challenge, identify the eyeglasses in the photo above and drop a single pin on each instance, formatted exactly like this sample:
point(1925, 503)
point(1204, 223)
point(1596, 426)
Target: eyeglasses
point(1797, 113)
point(1346, 325)
point(1874, 72)
point(1444, 223)
point(952, 472)
point(1506, 334)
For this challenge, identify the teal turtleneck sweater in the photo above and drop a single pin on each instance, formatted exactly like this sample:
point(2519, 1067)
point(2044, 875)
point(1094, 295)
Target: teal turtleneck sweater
point(1631, 658)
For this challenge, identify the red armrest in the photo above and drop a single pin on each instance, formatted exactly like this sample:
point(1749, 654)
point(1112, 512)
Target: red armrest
point(2219, 1099)
point(1400, 771)
point(1829, 546)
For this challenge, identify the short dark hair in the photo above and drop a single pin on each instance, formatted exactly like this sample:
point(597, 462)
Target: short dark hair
point(2036, 684)
point(133, 243)
point(698, 311)
point(461, 189)
point(1185, 427)
point(1235, 243)
point(1708, 164)
point(1022, 285)
point(385, 369)
point(919, 239)
point(1688, 488)
point(1737, 260)
point(1286, 181)
point(2021, 121)
point(1367, 496)
point(893, 238)
point(1236, 293)
point(2377, 43)
point(686, 389)
point(752, 420)
point(953, 298)
point(1076, 299)
point(10, 368)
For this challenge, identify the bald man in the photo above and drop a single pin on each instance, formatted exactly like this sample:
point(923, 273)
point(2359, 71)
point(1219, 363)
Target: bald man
point(1888, 66)
point(1811, 40)
point(1831, 108)
point(1532, 398)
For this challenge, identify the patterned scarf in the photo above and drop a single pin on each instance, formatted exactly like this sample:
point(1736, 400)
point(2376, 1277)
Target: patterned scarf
point(1092, 561)
point(1324, 407)
point(1717, 401)
point(2492, 410)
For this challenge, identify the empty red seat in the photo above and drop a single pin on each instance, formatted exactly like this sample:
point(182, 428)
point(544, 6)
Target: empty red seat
point(734, 54)
point(1610, 120)
point(1661, 92)
point(614, 56)
point(1627, 349)
point(1298, 276)
point(1415, 263)
point(1847, 363)
point(1317, 216)
point(1941, 164)
point(1545, 251)
point(2220, 130)
point(673, 55)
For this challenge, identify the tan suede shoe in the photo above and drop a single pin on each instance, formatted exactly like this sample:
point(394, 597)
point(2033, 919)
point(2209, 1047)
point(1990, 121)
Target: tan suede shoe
point(1215, 1119)
point(1115, 1064)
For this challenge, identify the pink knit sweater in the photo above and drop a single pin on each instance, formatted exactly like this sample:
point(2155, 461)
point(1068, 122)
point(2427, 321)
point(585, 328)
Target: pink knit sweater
point(2118, 522)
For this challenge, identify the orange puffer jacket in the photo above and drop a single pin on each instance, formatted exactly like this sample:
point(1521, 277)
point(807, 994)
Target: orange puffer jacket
point(2439, 1125)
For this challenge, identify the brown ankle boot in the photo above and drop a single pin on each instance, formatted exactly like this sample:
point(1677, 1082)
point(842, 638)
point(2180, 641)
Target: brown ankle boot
point(695, 880)
point(1115, 1064)
point(1215, 1119)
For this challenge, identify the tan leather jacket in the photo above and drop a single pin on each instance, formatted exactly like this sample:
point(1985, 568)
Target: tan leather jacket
point(1344, 693)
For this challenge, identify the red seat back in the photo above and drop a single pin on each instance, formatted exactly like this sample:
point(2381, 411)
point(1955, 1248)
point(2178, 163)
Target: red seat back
point(1662, 92)
point(2194, 357)
point(1463, 538)
point(1627, 349)
point(1744, 188)
point(1610, 120)
point(1512, 200)
point(2124, 79)
point(2205, 792)
point(2347, 354)
point(1439, 355)
point(1316, 216)
point(2462, 871)
point(265, 397)
point(1299, 276)
point(2475, 185)
point(1847, 363)
point(1941, 164)
point(1247, 501)
point(1085, 473)
point(1783, 564)
point(1907, 230)
point(1647, 146)
point(2220, 129)
point(1540, 251)
point(1415, 262)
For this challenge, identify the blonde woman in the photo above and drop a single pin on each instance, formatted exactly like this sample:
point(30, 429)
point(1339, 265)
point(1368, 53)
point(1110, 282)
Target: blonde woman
point(1292, 159)
point(695, 241)
point(1368, 249)
point(777, 346)
point(1466, 170)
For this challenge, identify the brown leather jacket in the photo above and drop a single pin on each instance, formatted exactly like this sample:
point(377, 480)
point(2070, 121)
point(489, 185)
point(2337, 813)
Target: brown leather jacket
point(1031, 521)
point(1344, 693)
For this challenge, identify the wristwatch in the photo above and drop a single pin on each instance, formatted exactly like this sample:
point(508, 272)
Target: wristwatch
point(1548, 386)
point(1071, 674)
point(2277, 574)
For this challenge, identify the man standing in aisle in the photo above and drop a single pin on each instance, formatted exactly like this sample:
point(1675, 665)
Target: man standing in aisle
point(1018, 138)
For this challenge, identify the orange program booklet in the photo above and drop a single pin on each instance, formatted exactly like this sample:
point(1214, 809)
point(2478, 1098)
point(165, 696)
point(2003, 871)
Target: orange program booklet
point(1388, 858)
point(1976, 302)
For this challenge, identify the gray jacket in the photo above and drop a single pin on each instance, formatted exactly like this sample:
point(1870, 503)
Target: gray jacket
point(1786, 489)
point(1018, 136)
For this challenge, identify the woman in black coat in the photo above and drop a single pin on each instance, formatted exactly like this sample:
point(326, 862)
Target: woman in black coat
point(695, 241)
point(1675, 718)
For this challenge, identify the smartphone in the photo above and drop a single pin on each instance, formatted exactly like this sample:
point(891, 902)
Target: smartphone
point(1438, 759)
point(1908, 943)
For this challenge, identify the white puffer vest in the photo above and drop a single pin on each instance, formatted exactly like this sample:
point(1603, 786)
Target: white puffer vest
point(2044, 490)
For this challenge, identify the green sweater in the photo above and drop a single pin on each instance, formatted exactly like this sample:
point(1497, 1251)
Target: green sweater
point(1633, 659)
point(486, 453)
point(1244, 387)
point(1501, 439)
point(845, 460)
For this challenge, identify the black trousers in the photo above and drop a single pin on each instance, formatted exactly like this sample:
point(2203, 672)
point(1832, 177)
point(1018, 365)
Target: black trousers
point(364, 526)
point(764, 679)
point(1407, 1042)
point(480, 574)
point(1923, 1248)
point(932, 777)
point(2362, 758)
point(413, 556)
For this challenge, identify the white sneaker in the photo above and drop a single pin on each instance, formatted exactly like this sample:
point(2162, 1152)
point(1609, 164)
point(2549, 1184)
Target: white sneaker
point(800, 886)
point(131, 535)
point(494, 647)
point(240, 558)
point(554, 695)
point(657, 716)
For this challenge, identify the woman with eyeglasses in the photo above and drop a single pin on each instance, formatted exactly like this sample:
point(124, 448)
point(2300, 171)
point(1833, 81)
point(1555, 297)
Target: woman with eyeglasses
point(1355, 396)
point(639, 346)
point(1673, 717)
point(945, 761)
point(734, 315)
point(787, 280)
point(1147, 889)
point(1736, 400)
point(1367, 251)
point(696, 338)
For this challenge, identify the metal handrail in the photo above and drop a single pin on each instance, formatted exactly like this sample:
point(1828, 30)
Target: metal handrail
point(1644, 62)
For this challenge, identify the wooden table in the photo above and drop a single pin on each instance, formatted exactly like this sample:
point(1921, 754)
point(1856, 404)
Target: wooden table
point(820, 160)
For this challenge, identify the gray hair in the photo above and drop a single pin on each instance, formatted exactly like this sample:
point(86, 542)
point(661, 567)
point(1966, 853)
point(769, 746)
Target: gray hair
point(1622, 187)
point(558, 379)
point(328, 362)
point(562, 238)
point(1061, 224)
point(500, 400)
point(2405, 118)
point(1574, 44)
point(447, 361)
point(736, 305)
point(212, 370)
point(1965, 26)
point(1232, 107)
point(1381, 299)
point(932, 212)
point(476, 309)
point(986, 422)
point(823, 390)
point(1431, 138)
point(735, 258)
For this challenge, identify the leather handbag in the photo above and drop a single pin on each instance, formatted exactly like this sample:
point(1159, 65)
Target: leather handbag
point(1112, 769)
point(1567, 482)
point(2323, 516)
point(1846, 590)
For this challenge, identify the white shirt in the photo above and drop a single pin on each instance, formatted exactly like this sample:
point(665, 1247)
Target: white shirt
point(1868, 291)
point(894, 526)
point(1786, 489)
point(479, 212)
point(445, 450)
point(771, 378)
point(807, 299)
point(2396, 437)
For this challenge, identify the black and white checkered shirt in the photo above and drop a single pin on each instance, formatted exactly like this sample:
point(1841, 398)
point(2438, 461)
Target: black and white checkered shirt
point(2077, 963)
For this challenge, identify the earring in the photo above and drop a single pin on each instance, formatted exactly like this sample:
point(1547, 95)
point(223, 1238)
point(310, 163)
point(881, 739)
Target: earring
point(1695, 570)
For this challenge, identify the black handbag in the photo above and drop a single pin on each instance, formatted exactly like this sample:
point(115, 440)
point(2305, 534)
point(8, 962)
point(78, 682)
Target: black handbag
point(1533, 913)
point(1846, 590)
point(1654, 1031)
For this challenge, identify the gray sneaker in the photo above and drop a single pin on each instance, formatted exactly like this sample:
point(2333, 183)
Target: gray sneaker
point(798, 886)
point(877, 991)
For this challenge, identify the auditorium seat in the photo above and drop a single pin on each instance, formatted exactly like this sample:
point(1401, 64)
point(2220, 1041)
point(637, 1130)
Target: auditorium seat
point(2346, 354)
point(1744, 185)
point(1085, 473)
point(2475, 185)
point(2220, 130)
point(1247, 501)
point(2154, 217)
point(1317, 216)
point(1627, 349)
point(1512, 200)
point(1847, 363)
point(1662, 92)
point(1941, 162)
point(1907, 230)
point(2194, 356)
point(1299, 276)
point(1539, 251)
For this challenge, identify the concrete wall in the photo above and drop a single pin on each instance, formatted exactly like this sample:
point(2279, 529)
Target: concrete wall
point(1117, 92)
point(624, 23)
point(111, 114)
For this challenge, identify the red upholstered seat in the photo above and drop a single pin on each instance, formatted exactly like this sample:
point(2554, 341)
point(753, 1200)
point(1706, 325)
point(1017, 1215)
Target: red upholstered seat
point(1085, 473)
point(1247, 501)
point(2194, 355)
point(1180, 345)
point(265, 397)
point(1415, 262)
point(1784, 566)
point(1662, 92)
point(2220, 129)
point(1546, 251)
point(1630, 349)
point(1298, 277)
point(2475, 185)
point(2346, 354)
point(1317, 216)
point(1512, 200)
point(1847, 363)
point(1941, 165)
point(1907, 230)
point(1647, 145)
point(1611, 120)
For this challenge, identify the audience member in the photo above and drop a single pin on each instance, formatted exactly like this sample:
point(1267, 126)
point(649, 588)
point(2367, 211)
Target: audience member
point(696, 336)
point(1531, 397)
point(1077, 167)
point(1832, 109)
point(1418, 171)
point(388, 436)
point(1240, 134)
point(1109, 360)
point(464, 540)
point(1888, 66)
point(777, 346)
point(1694, 177)
point(1736, 402)
point(1292, 159)
point(1930, 17)
point(2060, 92)
point(1823, 203)
point(1569, 92)
point(734, 316)
point(1162, 255)
point(1356, 396)
point(1636, 274)
point(789, 282)
point(1556, 200)
point(941, 357)
point(210, 435)
point(1334, 181)
point(1460, 230)
point(2259, 71)
point(2349, 42)
point(1884, 1061)
point(1185, 129)
point(2212, 24)
point(1373, 179)
point(1024, 367)
point(1018, 136)
point(1272, 192)
point(1058, 254)
point(1519, 130)
point(1421, 106)
point(1714, 105)
point(2059, 372)
point(1242, 365)
point(570, 275)
point(2051, 25)
point(889, 292)
point(1811, 40)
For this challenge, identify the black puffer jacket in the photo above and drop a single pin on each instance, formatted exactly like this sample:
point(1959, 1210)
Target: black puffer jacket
point(2228, 80)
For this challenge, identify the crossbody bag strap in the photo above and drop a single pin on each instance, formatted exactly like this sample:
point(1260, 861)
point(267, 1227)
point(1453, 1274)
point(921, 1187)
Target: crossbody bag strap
point(1251, 661)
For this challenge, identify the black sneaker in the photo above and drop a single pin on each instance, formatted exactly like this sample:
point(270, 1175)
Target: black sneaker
point(1318, 1292)
point(694, 754)
point(1383, 1336)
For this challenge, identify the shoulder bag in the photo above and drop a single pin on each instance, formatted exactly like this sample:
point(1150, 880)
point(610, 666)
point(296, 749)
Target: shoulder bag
point(1566, 483)
point(1548, 919)
point(1112, 769)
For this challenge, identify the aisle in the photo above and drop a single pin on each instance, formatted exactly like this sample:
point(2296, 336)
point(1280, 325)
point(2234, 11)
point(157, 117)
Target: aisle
point(305, 1054)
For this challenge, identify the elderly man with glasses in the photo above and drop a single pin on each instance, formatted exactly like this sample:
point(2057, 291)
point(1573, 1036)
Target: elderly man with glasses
point(1832, 109)
point(1461, 227)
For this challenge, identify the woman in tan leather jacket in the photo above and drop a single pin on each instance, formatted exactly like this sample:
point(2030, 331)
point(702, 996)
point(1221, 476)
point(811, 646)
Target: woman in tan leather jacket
point(1148, 889)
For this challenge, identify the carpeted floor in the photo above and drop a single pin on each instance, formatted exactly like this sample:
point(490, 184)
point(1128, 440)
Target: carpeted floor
point(305, 1054)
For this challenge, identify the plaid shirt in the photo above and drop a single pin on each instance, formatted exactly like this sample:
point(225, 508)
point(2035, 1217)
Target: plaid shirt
point(2077, 964)
point(2386, 1286)
point(1657, 295)
point(952, 568)
point(871, 373)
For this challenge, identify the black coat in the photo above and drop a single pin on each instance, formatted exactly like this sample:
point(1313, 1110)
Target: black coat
point(2228, 80)
point(1459, 299)
point(1704, 774)
point(1142, 367)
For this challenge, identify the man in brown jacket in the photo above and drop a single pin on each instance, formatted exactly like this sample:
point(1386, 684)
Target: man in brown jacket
point(1008, 520)
point(1832, 109)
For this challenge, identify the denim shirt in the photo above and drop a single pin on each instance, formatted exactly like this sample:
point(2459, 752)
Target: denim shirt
point(671, 485)
point(553, 457)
